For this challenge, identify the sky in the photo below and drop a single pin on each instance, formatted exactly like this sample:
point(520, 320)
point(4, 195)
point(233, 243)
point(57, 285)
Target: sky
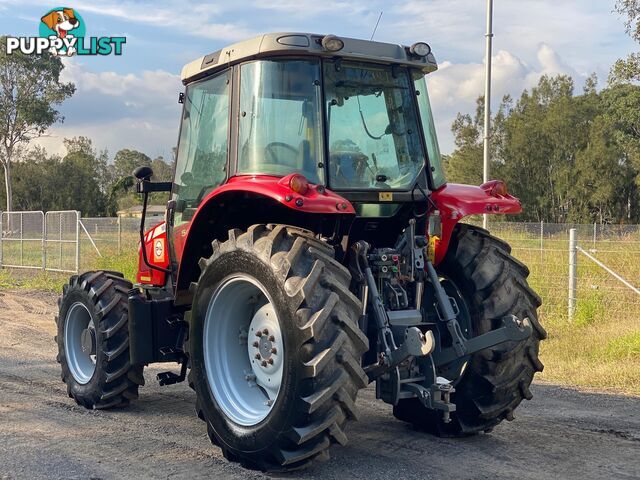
point(130, 101)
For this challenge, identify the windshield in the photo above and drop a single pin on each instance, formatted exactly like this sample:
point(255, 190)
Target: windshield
point(279, 124)
point(373, 134)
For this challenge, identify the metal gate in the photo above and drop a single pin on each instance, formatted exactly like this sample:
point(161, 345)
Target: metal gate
point(61, 246)
point(22, 239)
point(37, 240)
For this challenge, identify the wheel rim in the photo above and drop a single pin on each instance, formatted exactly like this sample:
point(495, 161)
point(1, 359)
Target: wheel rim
point(80, 343)
point(243, 349)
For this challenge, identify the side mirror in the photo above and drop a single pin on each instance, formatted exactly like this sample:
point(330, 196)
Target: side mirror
point(143, 174)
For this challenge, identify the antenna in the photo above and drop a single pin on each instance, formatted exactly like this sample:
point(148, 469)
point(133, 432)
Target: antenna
point(376, 27)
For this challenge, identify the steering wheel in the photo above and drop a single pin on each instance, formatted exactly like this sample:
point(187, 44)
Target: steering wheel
point(351, 169)
point(271, 154)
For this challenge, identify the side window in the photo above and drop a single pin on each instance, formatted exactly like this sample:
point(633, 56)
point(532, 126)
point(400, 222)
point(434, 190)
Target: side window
point(202, 149)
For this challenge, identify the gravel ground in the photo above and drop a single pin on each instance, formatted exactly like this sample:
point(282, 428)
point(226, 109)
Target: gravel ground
point(561, 433)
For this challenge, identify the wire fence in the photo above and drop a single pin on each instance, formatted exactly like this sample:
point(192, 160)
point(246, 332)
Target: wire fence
point(602, 253)
point(607, 271)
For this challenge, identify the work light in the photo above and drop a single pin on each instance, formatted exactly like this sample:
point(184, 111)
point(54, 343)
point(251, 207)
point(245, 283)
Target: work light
point(332, 43)
point(420, 49)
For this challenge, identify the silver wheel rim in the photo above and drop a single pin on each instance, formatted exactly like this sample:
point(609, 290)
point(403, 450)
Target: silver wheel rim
point(243, 349)
point(82, 363)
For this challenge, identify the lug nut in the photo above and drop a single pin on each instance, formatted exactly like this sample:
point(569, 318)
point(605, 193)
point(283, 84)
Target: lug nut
point(258, 333)
point(264, 363)
point(274, 350)
point(256, 344)
point(257, 357)
point(270, 361)
point(272, 338)
point(265, 331)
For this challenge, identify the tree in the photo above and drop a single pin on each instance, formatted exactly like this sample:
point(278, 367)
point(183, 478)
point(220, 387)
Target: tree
point(628, 69)
point(126, 161)
point(464, 165)
point(569, 158)
point(31, 88)
point(162, 171)
point(77, 178)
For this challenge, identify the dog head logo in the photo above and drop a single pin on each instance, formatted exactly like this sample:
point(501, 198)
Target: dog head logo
point(65, 24)
point(61, 21)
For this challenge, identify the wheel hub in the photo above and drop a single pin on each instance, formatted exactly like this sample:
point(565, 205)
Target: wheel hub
point(88, 340)
point(265, 352)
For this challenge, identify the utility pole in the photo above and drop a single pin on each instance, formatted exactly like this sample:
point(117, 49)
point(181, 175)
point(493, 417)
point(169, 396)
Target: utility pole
point(487, 101)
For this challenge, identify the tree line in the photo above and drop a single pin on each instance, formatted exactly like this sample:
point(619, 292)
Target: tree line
point(569, 158)
point(83, 179)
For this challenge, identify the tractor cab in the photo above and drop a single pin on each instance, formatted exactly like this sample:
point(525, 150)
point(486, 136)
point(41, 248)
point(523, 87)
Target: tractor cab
point(345, 115)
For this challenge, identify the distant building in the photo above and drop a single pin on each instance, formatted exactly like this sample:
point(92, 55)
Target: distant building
point(153, 211)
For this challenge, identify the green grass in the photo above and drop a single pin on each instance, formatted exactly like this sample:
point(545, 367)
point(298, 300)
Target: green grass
point(625, 347)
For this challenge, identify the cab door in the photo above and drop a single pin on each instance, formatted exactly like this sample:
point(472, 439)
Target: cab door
point(203, 152)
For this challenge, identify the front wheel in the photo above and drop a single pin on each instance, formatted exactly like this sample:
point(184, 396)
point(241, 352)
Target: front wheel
point(93, 341)
point(488, 284)
point(274, 347)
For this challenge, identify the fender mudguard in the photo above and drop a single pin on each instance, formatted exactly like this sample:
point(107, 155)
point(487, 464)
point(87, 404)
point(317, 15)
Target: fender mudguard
point(456, 201)
point(316, 200)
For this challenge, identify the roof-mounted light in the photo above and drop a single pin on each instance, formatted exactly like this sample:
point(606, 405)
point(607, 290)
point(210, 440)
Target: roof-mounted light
point(420, 49)
point(331, 43)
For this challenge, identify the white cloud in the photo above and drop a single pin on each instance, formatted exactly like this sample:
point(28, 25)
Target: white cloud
point(116, 111)
point(189, 18)
point(456, 86)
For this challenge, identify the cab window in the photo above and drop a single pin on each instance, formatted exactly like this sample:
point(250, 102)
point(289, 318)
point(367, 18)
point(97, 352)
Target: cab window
point(202, 149)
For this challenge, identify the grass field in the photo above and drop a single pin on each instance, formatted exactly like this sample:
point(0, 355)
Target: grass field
point(599, 348)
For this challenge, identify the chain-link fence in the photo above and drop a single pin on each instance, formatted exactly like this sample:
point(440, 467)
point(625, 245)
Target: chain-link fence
point(605, 254)
point(22, 239)
point(544, 248)
point(62, 241)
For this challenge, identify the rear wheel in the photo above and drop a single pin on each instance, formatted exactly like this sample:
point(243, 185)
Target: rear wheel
point(274, 347)
point(93, 341)
point(488, 284)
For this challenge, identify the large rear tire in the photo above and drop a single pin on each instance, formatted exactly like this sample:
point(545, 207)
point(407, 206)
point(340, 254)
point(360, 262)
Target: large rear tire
point(274, 347)
point(93, 341)
point(492, 284)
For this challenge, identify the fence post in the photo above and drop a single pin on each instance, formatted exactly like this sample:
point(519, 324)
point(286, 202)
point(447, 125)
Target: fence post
point(119, 235)
point(573, 267)
point(1, 235)
point(595, 234)
point(21, 238)
point(44, 242)
point(541, 234)
point(77, 241)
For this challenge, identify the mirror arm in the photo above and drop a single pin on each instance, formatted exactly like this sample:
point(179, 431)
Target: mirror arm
point(142, 187)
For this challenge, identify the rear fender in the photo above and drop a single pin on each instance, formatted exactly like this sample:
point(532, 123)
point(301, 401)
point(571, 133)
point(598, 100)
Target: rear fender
point(247, 200)
point(455, 201)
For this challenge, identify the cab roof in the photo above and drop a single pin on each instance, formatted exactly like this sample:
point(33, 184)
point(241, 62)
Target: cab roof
point(294, 43)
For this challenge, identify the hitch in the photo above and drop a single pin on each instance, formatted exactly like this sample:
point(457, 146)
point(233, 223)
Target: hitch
point(415, 342)
point(436, 397)
point(513, 329)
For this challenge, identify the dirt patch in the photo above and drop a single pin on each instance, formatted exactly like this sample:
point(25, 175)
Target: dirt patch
point(561, 433)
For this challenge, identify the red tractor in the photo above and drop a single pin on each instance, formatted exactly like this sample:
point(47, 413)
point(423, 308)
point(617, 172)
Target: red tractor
point(311, 247)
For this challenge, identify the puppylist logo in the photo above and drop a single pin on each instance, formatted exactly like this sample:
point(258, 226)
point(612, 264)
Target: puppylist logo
point(62, 32)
